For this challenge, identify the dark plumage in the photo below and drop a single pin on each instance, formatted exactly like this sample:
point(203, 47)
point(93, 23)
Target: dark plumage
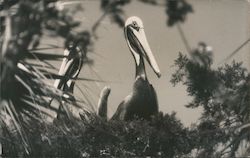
point(142, 102)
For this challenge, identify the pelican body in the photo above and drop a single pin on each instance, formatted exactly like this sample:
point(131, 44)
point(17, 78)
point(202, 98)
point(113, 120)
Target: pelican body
point(142, 102)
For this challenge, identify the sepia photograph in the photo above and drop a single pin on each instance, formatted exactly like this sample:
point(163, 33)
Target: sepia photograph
point(125, 78)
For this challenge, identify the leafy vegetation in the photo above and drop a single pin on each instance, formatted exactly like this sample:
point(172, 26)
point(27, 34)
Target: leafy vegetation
point(224, 95)
point(164, 136)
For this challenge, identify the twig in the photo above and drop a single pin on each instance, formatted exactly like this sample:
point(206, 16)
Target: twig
point(97, 23)
point(233, 142)
point(157, 3)
point(183, 38)
point(243, 126)
point(235, 51)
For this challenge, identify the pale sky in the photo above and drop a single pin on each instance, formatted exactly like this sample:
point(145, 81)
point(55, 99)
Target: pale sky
point(222, 24)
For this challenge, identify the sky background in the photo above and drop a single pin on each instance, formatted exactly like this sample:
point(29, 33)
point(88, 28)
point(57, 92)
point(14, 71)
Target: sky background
point(222, 24)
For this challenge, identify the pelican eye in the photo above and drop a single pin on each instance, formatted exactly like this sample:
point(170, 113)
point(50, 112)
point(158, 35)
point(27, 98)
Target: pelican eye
point(135, 25)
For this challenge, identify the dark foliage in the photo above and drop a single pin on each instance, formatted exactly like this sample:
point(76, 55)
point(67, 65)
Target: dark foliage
point(177, 11)
point(224, 95)
point(24, 94)
point(164, 136)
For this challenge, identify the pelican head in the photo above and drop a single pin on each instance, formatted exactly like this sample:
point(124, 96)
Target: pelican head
point(138, 44)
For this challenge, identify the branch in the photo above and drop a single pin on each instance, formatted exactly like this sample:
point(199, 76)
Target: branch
point(243, 127)
point(183, 37)
point(157, 3)
point(98, 22)
point(235, 51)
point(235, 141)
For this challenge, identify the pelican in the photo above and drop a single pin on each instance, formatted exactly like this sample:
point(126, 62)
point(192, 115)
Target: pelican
point(68, 72)
point(70, 69)
point(142, 102)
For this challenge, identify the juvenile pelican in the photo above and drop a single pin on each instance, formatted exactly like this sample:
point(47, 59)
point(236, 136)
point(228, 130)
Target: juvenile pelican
point(142, 102)
point(103, 103)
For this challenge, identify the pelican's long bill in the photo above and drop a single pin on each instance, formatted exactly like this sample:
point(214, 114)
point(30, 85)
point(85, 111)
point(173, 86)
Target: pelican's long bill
point(137, 42)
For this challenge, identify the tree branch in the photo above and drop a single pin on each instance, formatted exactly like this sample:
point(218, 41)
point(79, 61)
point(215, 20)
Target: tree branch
point(98, 22)
point(235, 51)
point(183, 38)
